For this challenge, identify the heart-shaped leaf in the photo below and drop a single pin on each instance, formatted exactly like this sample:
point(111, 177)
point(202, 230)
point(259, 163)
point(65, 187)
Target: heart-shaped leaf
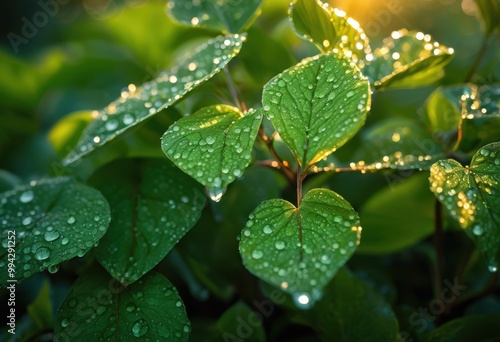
point(328, 28)
point(153, 204)
point(471, 196)
point(136, 104)
point(407, 59)
point(213, 145)
point(317, 105)
point(300, 250)
point(47, 222)
point(227, 16)
point(98, 308)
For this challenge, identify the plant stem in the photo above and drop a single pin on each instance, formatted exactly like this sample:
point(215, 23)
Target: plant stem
point(479, 57)
point(438, 245)
point(299, 186)
point(283, 165)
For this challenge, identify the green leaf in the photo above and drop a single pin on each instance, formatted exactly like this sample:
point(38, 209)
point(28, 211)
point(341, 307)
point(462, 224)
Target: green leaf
point(65, 134)
point(489, 12)
point(328, 28)
point(407, 59)
point(383, 215)
point(137, 104)
point(300, 250)
point(398, 143)
point(213, 145)
point(351, 311)
point(234, 320)
point(471, 196)
point(8, 180)
point(465, 329)
point(40, 310)
point(153, 204)
point(317, 105)
point(54, 220)
point(98, 308)
point(227, 16)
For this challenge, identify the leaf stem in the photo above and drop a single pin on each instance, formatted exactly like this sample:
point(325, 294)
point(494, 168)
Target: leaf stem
point(299, 186)
point(479, 58)
point(438, 245)
point(282, 165)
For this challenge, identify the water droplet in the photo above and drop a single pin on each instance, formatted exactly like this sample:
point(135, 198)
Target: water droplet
point(257, 254)
point(71, 220)
point(267, 229)
point(130, 308)
point(64, 241)
point(100, 310)
point(178, 304)
point(216, 193)
point(140, 328)
point(210, 140)
point(42, 253)
point(64, 322)
point(492, 268)
point(279, 245)
point(128, 119)
point(53, 269)
point(477, 230)
point(111, 125)
point(26, 221)
point(350, 94)
point(26, 196)
point(51, 235)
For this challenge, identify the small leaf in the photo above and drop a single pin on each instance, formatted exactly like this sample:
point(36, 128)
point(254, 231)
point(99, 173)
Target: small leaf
point(489, 12)
point(136, 104)
point(382, 215)
point(227, 16)
point(351, 311)
point(398, 143)
point(468, 328)
point(213, 145)
point(97, 308)
point(300, 250)
point(53, 220)
point(407, 59)
point(471, 196)
point(317, 105)
point(328, 28)
point(153, 204)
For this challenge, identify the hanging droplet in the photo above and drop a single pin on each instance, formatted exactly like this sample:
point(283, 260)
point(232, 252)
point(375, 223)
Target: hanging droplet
point(216, 193)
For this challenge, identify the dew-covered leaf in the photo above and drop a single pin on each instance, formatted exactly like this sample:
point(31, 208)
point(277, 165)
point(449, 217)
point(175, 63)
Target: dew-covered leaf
point(317, 105)
point(98, 308)
point(397, 216)
point(489, 12)
point(468, 328)
point(227, 15)
point(300, 250)
point(471, 195)
point(136, 104)
point(153, 204)
point(407, 59)
point(398, 143)
point(328, 28)
point(213, 145)
point(51, 220)
point(351, 311)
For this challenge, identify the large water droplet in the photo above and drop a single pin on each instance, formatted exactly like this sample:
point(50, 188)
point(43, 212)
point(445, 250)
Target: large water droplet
point(267, 229)
point(216, 193)
point(42, 253)
point(140, 328)
point(51, 235)
point(279, 245)
point(26, 196)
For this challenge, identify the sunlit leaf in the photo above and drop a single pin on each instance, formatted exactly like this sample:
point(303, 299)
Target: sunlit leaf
point(317, 105)
point(213, 145)
point(227, 16)
point(300, 249)
point(383, 215)
point(471, 196)
point(407, 59)
point(153, 204)
point(328, 28)
point(52, 220)
point(98, 308)
point(136, 104)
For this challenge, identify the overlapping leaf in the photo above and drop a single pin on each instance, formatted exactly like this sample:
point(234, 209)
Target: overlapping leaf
point(328, 28)
point(51, 220)
point(317, 105)
point(213, 145)
point(227, 15)
point(136, 104)
point(300, 249)
point(471, 196)
point(407, 59)
point(98, 308)
point(153, 204)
